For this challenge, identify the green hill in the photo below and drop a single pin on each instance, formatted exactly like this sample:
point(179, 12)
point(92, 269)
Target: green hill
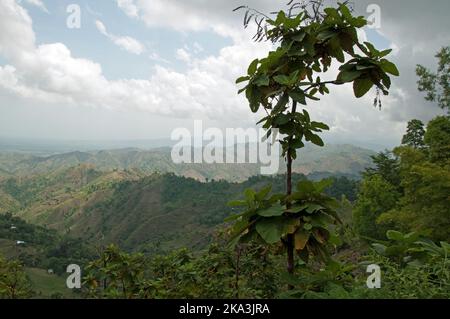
point(137, 211)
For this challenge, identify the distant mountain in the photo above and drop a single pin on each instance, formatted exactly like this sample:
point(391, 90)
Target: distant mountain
point(333, 159)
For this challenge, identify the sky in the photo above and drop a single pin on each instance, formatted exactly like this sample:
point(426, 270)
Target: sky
point(138, 69)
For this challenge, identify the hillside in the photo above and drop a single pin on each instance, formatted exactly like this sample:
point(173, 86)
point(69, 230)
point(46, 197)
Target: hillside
point(333, 159)
point(149, 212)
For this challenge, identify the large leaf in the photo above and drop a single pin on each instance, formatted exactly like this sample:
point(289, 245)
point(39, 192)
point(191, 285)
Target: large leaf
point(272, 229)
point(273, 211)
point(389, 67)
point(349, 76)
point(362, 86)
point(395, 235)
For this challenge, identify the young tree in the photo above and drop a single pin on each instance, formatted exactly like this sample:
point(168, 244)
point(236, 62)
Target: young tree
point(308, 39)
point(414, 134)
point(437, 85)
point(14, 283)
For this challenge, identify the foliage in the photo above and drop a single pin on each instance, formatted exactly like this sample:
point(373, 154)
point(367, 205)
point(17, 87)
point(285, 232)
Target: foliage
point(264, 218)
point(14, 283)
point(415, 134)
point(437, 138)
point(306, 45)
point(376, 196)
point(115, 274)
point(423, 206)
point(214, 273)
point(437, 85)
point(386, 164)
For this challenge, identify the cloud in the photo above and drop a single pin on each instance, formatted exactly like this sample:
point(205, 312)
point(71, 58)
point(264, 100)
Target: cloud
point(183, 55)
point(50, 73)
point(39, 4)
point(127, 43)
point(206, 89)
point(128, 7)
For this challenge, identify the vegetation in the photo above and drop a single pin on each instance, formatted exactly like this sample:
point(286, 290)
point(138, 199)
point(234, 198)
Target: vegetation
point(307, 44)
point(139, 234)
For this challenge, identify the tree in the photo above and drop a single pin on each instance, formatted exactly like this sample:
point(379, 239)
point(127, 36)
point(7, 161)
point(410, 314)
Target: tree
point(414, 134)
point(437, 138)
point(14, 283)
point(387, 166)
point(376, 196)
point(436, 85)
point(424, 204)
point(115, 274)
point(307, 42)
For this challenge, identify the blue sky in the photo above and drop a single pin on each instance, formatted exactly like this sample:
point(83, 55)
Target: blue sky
point(137, 69)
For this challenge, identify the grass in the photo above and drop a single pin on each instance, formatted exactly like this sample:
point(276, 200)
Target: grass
point(47, 285)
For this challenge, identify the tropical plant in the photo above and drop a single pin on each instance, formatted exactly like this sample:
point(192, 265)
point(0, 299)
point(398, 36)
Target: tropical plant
point(307, 42)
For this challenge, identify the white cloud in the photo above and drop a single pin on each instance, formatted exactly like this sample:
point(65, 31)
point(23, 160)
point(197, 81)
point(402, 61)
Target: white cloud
point(125, 42)
point(39, 4)
point(128, 7)
point(49, 72)
point(183, 55)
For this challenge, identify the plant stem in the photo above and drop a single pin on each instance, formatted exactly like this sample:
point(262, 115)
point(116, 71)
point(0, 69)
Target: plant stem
point(290, 237)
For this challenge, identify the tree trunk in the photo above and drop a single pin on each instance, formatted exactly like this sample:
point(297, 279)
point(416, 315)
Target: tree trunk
point(290, 238)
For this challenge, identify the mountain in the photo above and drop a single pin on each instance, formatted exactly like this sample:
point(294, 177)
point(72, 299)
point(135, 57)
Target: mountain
point(333, 159)
point(129, 208)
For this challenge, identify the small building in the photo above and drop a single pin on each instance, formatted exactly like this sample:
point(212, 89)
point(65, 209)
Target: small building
point(20, 243)
point(13, 227)
point(50, 272)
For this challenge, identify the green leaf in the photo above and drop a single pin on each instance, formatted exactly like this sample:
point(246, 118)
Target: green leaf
point(281, 119)
point(389, 67)
point(298, 96)
point(253, 67)
point(254, 97)
point(249, 195)
point(299, 36)
point(282, 79)
point(362, 86)
point(320, 125)
point(276, 210)
point(261, 80)
point(262, 194)
point(372, 49)
point(349, 76)
point(384, 53)
point(307, 226)
point(272, 229)
point(242, 79)
point(315, 139)
point(394, 235)
point(296, 209)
